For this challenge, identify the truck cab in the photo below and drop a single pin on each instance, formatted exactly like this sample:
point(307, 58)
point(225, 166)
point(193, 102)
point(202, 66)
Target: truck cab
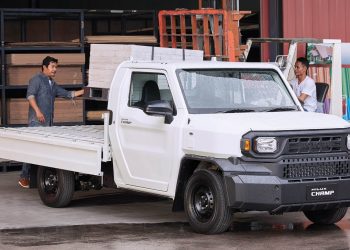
point(223, 137)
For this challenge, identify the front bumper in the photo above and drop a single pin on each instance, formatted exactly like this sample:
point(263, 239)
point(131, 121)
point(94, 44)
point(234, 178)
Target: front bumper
point(270, 193)
point(279, 187)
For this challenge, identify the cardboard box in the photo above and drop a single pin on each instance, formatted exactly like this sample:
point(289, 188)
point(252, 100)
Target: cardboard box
point(65, 111)
point(66, 75)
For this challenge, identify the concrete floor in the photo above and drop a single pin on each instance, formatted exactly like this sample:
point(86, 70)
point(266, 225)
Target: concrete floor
point(22, 208)
point(126, 220)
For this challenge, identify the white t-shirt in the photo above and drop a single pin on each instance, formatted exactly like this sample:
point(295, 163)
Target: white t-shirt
point(307, 87)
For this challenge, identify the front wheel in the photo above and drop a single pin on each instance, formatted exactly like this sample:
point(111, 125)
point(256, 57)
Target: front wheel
point(326, 217)
point(205, 203)
point(56, 187)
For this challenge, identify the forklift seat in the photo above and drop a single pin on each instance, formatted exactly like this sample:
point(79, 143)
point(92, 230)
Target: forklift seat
point(321, 93)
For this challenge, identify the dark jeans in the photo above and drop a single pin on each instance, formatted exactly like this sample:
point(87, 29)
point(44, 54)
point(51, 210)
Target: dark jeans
point(25, 171)
point(26, 166)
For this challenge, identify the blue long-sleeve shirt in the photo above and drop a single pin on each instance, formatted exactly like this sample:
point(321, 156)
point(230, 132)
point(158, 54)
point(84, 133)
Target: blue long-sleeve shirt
point(44, 93)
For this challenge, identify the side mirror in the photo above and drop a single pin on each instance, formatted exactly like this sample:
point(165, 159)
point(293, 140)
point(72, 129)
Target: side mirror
point(162, 108)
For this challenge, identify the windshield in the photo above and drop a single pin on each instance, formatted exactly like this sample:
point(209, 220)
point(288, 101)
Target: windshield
point(234, 90)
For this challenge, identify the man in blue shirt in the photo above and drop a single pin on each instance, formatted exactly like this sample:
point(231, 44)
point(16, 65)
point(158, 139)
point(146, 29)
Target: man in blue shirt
point(41, 93)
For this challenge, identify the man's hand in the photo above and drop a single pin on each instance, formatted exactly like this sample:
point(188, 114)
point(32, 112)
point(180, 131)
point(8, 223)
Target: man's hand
point(40, 116)
point(34, 105)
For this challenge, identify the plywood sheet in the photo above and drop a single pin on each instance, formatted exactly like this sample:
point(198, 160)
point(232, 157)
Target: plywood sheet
point(36, 59)
point(105, 58)
point(43, 44)
point(66, 75)
point(65, 30)
point(150, 40)
point(95, 115)
point(65, 111)
point(37, 30)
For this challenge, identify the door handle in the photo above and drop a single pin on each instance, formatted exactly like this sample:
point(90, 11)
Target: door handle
point(125, 121)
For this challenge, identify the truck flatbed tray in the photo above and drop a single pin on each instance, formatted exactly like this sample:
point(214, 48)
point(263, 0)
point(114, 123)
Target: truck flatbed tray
point(73, 148)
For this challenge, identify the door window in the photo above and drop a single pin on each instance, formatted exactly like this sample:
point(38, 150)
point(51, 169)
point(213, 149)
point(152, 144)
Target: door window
point(148, 87)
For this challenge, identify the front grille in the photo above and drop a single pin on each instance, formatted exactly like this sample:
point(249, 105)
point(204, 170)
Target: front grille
point(315, 144)
point(315, 167)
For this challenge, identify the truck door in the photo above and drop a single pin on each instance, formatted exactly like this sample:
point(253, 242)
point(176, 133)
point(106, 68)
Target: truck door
point(147, 143)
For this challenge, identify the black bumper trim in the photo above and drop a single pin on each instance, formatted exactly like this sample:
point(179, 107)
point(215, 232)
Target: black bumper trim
point(276, 195)
point(311, 206)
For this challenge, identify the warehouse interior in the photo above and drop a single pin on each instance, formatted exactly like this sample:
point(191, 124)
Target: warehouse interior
point(66, 29)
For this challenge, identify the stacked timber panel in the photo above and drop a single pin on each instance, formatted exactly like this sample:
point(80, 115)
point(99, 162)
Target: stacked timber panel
point(19, 75)
point(65, 111)
point(21, 67)
point(38, 30)
point(28, 36)
point(105, 58)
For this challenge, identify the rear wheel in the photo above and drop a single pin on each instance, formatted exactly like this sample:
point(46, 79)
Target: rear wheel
point(326, 217)
point(205, 203)
point(55, 186)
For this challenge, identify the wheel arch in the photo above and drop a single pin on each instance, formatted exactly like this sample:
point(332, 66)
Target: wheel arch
point(190, 164)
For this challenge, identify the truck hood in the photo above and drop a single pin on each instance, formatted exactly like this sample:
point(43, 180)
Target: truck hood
point(219, 135)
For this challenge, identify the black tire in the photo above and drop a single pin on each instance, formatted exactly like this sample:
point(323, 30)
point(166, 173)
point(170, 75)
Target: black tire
point(326, 217)
point(55, 186)
point(205, 204)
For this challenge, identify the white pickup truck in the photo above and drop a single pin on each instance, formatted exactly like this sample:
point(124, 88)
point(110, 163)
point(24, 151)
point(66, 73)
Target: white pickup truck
point(216, 137)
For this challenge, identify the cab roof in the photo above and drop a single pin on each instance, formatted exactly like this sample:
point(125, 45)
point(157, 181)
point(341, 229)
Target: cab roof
point(197, 65)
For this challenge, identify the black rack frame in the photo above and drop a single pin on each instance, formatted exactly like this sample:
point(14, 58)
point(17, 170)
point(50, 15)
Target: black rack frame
point(46, 13)
point(82, 16)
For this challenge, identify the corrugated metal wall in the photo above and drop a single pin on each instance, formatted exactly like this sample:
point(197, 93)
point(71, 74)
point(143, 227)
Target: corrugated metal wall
point(316, 19)
point(264, 31)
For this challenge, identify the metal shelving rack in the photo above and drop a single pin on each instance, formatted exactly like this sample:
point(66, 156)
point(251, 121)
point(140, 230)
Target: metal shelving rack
point(118, 22)
point(2, 69)
point(47, 14)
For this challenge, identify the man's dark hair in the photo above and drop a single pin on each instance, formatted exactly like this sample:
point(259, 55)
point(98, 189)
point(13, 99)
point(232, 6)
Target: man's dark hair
point(304, 61)
point(47, 60)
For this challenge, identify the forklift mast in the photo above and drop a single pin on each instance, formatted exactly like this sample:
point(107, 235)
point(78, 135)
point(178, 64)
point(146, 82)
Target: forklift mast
point(213, 30)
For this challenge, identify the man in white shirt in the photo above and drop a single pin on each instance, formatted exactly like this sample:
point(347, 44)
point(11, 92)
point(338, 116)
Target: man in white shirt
point(304, 86)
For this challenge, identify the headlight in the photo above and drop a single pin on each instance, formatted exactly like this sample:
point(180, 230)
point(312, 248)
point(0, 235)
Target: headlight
point(348, 142)
point(268, 144)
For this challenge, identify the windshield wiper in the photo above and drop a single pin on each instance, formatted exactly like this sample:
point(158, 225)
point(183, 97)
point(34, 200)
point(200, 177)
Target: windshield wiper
point(281, 109)
point(237, 111)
